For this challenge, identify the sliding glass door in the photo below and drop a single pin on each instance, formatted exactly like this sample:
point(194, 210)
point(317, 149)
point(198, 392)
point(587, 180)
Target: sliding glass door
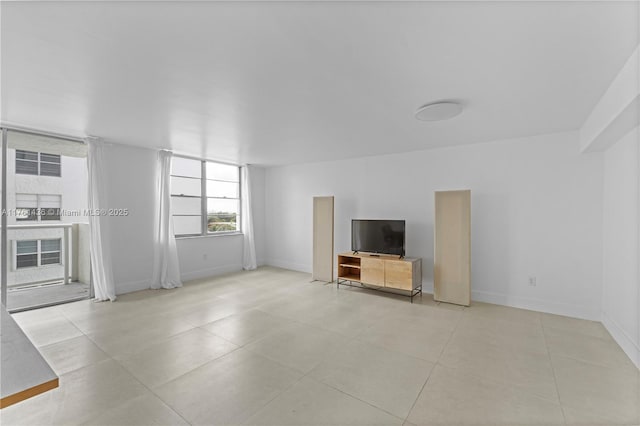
point(45, 232)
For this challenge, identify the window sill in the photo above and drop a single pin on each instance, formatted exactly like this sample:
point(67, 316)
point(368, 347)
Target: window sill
point(223, 234)
point(33, 268)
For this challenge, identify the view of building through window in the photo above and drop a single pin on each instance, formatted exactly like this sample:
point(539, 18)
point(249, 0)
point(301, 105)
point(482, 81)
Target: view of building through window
point(223, 197)
point(204, 189)
point(47, 232)
point(37, 163)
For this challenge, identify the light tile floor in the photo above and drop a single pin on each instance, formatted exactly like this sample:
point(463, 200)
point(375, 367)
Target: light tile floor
point(267, 347)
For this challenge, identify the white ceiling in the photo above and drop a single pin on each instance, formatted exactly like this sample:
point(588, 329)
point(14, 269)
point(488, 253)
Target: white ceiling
point(289, 82)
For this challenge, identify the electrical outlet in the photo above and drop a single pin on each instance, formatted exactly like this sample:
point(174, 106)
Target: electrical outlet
point(532, 281)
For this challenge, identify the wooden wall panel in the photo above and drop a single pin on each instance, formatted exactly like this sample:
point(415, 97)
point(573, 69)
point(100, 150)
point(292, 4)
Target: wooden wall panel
point(452, 259)
point(322, 239)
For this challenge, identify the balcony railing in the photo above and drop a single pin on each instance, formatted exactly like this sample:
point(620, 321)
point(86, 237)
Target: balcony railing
point(73, 263)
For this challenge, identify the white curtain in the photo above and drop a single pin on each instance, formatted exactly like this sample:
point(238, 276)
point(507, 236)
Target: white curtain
point(100, 251)
point(166, 269)
point(249, 246)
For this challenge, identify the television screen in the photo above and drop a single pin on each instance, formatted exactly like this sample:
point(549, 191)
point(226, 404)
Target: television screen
point(378, 236)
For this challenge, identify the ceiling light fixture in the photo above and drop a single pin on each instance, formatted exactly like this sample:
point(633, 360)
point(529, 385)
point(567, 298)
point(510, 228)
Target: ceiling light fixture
point(437, 111)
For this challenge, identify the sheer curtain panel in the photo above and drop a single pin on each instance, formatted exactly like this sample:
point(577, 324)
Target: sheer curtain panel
point(100, 251)
point(166, 268)
point(246, 216)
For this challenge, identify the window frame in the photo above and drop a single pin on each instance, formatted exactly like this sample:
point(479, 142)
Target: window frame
point(41, 251)
point(37, 211)
point(204, 215)
point(41, 161)
point(36, 253)
point(38, 162)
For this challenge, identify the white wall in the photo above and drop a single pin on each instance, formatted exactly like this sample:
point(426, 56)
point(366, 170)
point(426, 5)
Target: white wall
point(612, 127)
point(130, 184)
point(214, 255)
point(618, 110)
point(202, 257)
point(259, 213)
point(130, 174)
point(621, 287)
point(536, 211)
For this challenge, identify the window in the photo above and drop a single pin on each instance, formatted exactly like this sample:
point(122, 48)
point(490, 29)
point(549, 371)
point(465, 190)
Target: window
point(31, 207)
point(186, 196)
point(26, 162)
point(26, 207)
point(49, 251)
point(205, 197)
point(49, 165)
point(49, 206)
point(26, 253)
point(33, 163)
point(223, 197)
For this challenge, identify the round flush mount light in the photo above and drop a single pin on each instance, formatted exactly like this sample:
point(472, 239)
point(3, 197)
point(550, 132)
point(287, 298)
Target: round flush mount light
point(438, 111)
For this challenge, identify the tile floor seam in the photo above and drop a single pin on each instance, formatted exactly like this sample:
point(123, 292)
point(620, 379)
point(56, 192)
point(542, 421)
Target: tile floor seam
point(151, 391)
point(103, 362)
point(279, 393)
point(500, 383)
point(142, 348)
point(216, 335)
point(188, 372)
point(444, 347)
point(504, 382)
point(107, 356)
point(295, 370)
point(345, 392)
point(296, 323)
point(179, 376)
point(68, 338)
point(351, 396)
point(595, 364)
point(394, 351)
point(424, 385)
point(607, 338)
point(553, 370)
point(410, 355)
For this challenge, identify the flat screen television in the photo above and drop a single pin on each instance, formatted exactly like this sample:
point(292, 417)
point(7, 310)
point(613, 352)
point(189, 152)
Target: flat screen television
point(378, 236)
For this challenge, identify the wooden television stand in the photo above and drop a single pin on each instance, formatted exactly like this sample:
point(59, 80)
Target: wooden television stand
point(380, 271)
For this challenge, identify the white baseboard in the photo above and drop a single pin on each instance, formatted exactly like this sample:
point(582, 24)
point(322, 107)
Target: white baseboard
point(558, 308)
point(625, 341)
point(130, 287)
point(210, 272)
point(300, 267)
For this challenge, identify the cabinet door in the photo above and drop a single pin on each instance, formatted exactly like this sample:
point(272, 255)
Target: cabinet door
point(372, 271)
point(398, 274)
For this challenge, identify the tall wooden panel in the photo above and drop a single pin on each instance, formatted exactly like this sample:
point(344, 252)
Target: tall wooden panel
point(452, 259)
point(323, 239)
